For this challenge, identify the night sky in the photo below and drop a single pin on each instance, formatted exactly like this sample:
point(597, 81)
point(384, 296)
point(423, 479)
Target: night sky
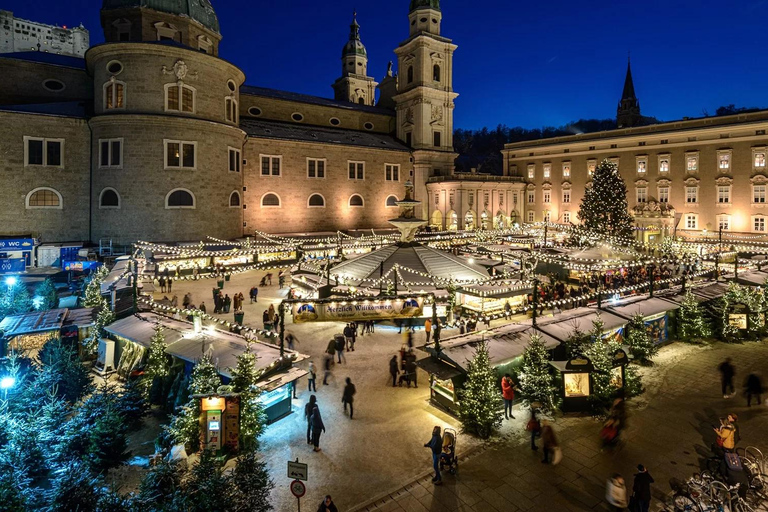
point(518, 63)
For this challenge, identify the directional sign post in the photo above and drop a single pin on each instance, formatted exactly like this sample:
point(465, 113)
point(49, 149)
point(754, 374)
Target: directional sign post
point(298, 471)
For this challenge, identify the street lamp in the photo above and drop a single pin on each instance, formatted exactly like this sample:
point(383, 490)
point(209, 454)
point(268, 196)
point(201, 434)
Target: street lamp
point(11, 281)
point(7, 383)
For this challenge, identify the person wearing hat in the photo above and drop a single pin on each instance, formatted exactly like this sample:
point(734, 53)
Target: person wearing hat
point(641, 490)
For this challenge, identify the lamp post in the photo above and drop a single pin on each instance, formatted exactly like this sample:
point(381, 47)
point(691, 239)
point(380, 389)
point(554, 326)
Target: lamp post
point(535, 300)
point(651, 269)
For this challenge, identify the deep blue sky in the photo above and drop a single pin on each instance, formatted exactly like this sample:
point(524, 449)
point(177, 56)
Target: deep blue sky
point(519, 63)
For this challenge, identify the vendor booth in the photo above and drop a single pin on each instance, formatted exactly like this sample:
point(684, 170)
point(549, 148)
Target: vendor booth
point(659, 315)
point(30, 331)
point(576, 380)
point(566, 324)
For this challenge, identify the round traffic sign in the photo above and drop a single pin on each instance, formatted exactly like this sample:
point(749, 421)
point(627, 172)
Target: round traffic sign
point(298, 489)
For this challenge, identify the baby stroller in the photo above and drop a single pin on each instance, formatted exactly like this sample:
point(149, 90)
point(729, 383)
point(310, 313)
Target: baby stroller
point(448, 458)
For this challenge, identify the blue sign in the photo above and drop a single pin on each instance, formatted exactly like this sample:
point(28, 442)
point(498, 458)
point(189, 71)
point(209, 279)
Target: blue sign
point(16, 244)
point(10, 266)
point(80, 265)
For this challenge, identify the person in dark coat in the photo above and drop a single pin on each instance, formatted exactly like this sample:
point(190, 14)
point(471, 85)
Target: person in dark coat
point(340, 348)
point(162, 284)
point(393, 370)
point(317, 427)
point(308, 408)
point(727, 371)
point(202, 308)
point(641, 490)
point(170, 284)
point(436, 445)
point(327, 505)
point(753, 388)
point(349, 397)
point(410, 370)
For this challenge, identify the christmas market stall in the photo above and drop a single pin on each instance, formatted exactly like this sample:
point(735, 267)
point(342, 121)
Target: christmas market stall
point(581, 321)
point(753, 278)
point(657, 313)
point(576, 380)
point(188, 341)
point(30, 331)
point(447, 367)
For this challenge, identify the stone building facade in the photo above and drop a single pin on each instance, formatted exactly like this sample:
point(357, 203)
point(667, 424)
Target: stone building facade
point(18, 35)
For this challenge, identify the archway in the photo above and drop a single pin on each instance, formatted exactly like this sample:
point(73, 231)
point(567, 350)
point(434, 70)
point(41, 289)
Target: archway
point(437, 220)
point(453, 221)
point(514, 218)
point(500, 221)
point(469, 221)
point(485, 220)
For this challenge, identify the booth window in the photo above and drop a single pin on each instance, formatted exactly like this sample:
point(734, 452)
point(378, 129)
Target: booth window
point(576, 384)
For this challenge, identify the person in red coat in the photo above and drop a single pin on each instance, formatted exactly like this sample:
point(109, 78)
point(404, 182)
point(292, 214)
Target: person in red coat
point(508, 392)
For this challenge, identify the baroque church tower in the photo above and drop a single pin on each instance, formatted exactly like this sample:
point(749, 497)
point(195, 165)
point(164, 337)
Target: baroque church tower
point(425, 99)
point(355, 85)
point(628, 111)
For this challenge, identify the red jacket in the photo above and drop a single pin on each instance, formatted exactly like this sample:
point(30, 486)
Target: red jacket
point(507, 389)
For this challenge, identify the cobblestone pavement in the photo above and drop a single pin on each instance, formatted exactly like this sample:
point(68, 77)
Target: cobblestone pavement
point(669, 432)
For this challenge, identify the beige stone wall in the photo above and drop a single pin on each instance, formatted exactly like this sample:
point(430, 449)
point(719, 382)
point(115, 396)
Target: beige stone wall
point(72, 180)
point(21, 82)
point(294, 188)
point(143, 183)
point(499, 199)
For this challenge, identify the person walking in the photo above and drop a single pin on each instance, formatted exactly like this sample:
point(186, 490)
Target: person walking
point(347, 398)
point(428, 328)
point(354, 334)
point(327, 362)
point(202, 308)
point(227, 303)
point(311, 386)
point(436, 445)
point(317, 427)
point(548, 441)
point(753, 387)
point(727, 372)
point(340, 348)
point(393, 371)
point(175, 301)
point(641, 489)
point(410, 370)
point(508, 393)
point(616, 493)
point(255, 294)
point(162, 284)
point(308, 408)
point(291, 339)
point(327, 505)
point(534, 427)
point(187, 300)
point(347, 332)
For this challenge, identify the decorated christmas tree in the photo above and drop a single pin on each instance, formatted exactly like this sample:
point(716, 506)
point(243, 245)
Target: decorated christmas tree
point(639, 340)
point(692, 324)
point(185, 425)
point(600, 352)
point(252, 416)
point(604, 208)
point(481, 405)
point(103, 318)
point(93, 297)
point(536, 381)
point(157, 358)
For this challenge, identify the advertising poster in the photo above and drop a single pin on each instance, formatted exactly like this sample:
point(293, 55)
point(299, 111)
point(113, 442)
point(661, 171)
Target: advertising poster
point(363, 310)
point(657, 327)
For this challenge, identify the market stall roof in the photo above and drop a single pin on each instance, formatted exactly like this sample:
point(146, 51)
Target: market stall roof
point(115, 279)
point(439, 368)
point(704, 293)
point(563, 325)
point(43, 321)
point(184, 343)
point(645, 307)
point(753, 278)
point(499, 289)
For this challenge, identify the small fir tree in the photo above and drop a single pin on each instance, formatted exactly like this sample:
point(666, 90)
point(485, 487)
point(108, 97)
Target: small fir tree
point(14, 300)
point(252, 416)
point(48, 298)
point(93, 297)
point(60, 369)
point(604, 208)
point(158, 364)
point(576, 344)
point(692, 322)
point(536, 381)
point(481, 405)
point(252, 485)
point(104, 317)
point(600, 353)
point(639, 340)
point(185, 425)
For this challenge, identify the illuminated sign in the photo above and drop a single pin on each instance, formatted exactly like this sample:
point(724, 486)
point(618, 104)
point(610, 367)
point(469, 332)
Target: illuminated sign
point(213, 425)
point(358, 310)
point(215, 403)
point(8, 266)
point(19, 244)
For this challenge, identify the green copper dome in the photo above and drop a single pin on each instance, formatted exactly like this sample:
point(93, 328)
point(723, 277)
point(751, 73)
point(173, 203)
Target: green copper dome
point(354, 46)
point(425, 4)
point(198, 10)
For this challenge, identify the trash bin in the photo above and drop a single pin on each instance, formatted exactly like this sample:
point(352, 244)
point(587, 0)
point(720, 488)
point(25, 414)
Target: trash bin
point(220, 283)
point(239, 317)
point(226, 277)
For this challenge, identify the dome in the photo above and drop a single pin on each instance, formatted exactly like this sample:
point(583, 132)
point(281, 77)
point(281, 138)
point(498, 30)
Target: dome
point(425, 4)
point(198, 10)
point(354, 47)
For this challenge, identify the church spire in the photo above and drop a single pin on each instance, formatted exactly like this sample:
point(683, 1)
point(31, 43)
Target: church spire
point(354, 28)
point(629, 85)
point(628, 111)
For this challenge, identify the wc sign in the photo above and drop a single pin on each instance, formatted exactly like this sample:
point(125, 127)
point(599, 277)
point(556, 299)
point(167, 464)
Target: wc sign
point(16, 244)
point(11, 266)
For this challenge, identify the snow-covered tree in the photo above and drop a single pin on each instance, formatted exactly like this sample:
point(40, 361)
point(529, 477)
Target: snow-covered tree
point(14, 299)
point(480, 402)
point(93, 297)
point(536, 380)
point(252, 416)
point(46, 295)
point(692, 322)
point(185, 424)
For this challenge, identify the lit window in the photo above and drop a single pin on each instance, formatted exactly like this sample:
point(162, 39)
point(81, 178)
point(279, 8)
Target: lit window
point(692, 163)
point(760, 160)
point(179, 98)
point(530, 216)
point(663, 194)
point(758, 194)
point(566, 196)
point(547, 196)
point(531, 197)
point(547, 171)
point(567, 217)
point(759, 223)
point(44, 198)
point(44, 152)
point(691, 194)
point(356, 170)
point(642, 195)
point(270, 165)
point(547, 217)
point(180, 154)
point(114, 95)
point(642, 166)
point(316, 168)
point(470, 198)
point(724, 161)
point(591, 165)
point(691, 221)
point(230, 110)
point(566, 170)
point(531, 172)
point(664, 165)
point(392, 172)
point(724, 222)
point(723, 194)
point(110, 153)
point(235, 161)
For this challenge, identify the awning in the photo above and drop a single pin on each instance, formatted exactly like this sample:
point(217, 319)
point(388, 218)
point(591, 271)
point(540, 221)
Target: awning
point(440, 369)
point(754, 278)
point(645, 308)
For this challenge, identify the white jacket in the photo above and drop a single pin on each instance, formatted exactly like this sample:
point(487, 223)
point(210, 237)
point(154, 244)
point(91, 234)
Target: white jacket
point(616, 493)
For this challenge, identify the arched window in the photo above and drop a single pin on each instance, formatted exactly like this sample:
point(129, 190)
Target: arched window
point(44, 198)
point(270, 200)
point(114, 94)
point(392, 201)
point(410, 74)
point(179, 97)
point(109, 199)
point(230, 110)
point(234, 199)
point(436, 73)
point(356, 200)
point(316, 201)
point(180, 198)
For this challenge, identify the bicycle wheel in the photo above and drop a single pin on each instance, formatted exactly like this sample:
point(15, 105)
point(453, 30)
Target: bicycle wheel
point(742, 506)
point(683, 503)
point(758, 486)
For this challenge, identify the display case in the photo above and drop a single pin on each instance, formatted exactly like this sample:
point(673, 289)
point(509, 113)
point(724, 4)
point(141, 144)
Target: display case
point(444, 381)
point(277, 402)
point(576, 383)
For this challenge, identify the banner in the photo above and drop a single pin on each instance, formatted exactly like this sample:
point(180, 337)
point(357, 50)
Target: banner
point(16, 244)
point(363, 310)
point(657, 327)
point(10, 266)
point(80, 265)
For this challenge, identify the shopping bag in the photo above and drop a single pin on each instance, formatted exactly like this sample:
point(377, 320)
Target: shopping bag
point(557, 455)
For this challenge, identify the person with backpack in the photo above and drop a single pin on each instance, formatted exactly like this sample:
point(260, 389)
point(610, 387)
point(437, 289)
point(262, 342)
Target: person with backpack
point(340, 347)
point(308, 409)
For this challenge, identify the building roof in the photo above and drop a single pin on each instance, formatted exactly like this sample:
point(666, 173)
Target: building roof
point(563, 325)
point(53, 59)
point(312, 100)
point(63, 109)
point(44, 321)
point(307, 133)
point(646, 307)
point(198, 10)
point(425, 4)
point(354, 46)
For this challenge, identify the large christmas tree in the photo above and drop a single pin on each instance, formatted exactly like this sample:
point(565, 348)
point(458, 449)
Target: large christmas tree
point(604, 207)
point(536, 381)
point(481, 405)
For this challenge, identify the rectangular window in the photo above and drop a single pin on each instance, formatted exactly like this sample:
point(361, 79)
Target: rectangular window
point(47, 152)
point(664, 194)
point(566, 196)
point(758, 194)
point(180, 154)
point(530, 216)
point(642, 195)
point(114, 95)
point(692, 163)
point(356, 170)
point(547, 216)
point(566, 169)
point(724, 222)
point(664, 165)
point(110, 153)
point(408, 139)
point(547, 171)
point(172, 98)
point(691, 221)
point(759, 223)
point(724, 161)
point(724, 194)
point(270, 165)
point(470, 198)
point(567, 217)
point(436, 139)
point(531, 197)
point(759, 160)
point(591, 164)
point(230, 110)
point(315, 168)
point(547, 197)
point(642, 166)
point(392, 172)
point(691, 194)
point(235, 161)
point(531, 172)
